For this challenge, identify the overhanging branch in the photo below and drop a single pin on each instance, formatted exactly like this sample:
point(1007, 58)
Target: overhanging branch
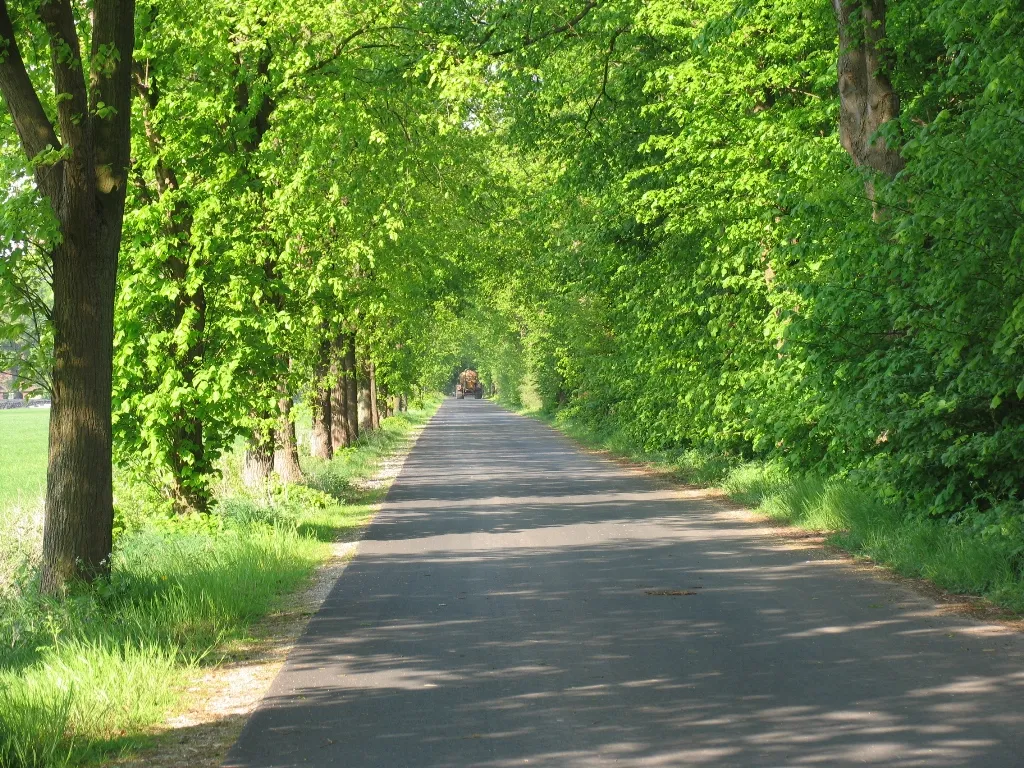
point(30, 121)
point(529, 39)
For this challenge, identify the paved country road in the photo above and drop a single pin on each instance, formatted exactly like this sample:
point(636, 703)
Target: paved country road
point(499, 613)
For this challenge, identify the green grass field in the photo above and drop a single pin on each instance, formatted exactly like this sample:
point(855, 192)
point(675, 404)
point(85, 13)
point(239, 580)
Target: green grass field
point(23, 435)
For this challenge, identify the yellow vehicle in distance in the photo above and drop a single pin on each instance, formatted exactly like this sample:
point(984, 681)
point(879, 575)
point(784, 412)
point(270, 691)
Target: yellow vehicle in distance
point(469, 384)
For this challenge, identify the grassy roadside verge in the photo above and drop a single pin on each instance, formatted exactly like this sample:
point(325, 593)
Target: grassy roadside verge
point(955, 558)
point(90, 676)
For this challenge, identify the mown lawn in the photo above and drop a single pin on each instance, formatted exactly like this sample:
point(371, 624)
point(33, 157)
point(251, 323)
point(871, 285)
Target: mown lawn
point(23, 435)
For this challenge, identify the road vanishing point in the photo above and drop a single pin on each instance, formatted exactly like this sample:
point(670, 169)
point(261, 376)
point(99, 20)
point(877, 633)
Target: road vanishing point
point(519, 602)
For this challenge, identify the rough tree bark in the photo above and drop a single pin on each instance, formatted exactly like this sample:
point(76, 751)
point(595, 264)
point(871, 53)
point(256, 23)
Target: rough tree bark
point(339, 401)
point(258, 463)
point(286, 449)
point(320, 444)
point(365, 414)
point(85, 186)
point(351, 387)
point(867, 100)
point(384, 401)
point(371, 370)
point(339, 422)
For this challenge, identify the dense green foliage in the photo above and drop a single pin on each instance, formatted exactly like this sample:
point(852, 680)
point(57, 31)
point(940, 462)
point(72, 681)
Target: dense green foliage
point(711, 274)
point(645, 213)
point(298, 174)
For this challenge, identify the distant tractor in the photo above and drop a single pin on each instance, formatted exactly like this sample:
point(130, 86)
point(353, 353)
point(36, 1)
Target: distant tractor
point(469, 384)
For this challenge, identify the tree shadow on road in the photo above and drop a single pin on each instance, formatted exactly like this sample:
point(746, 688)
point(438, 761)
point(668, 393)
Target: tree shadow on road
point(503, 615)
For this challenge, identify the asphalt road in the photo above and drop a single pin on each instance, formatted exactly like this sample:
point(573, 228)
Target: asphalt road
point(498, 613)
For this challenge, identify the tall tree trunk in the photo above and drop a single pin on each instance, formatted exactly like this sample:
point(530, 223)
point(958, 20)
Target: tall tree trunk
point(258, 463)
point(343, 431)
point(339, 398)
point(321, 446)
point(383, 403)
point(86, 190)
point(286, 449)
point(867, 100)
point(339, 422)
point(365, 413)
point(78, 534)
point(190, 491)
point(351, 388)
point(372, 384)
point(189, 467)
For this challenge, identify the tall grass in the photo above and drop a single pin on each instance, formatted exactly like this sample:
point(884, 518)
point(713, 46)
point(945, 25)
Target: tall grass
point(91, 674)
point(956, 557)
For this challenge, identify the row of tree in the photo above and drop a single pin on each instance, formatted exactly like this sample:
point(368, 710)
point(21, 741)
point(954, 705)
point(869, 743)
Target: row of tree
point(786, 230)
point(212, 208)
point(760, 227)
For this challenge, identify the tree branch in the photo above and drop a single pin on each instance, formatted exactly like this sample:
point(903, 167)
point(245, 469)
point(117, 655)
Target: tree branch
point(113, 45)
point(338, 51)
point(33, 126)
point(69, 82)
point(603, 92)
point(528, 39)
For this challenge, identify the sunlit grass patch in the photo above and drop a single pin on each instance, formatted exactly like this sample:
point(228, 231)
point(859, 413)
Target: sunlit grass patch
point(23, 451)
point(85, 697)
point(111, 660)
point(951, 556)
point(20, 544)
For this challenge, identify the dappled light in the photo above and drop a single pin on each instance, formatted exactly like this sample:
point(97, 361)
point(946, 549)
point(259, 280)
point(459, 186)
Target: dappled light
point(767, 248)
point(498, 614)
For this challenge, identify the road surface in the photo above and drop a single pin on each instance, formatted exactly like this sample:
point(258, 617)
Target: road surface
point(513, 605)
